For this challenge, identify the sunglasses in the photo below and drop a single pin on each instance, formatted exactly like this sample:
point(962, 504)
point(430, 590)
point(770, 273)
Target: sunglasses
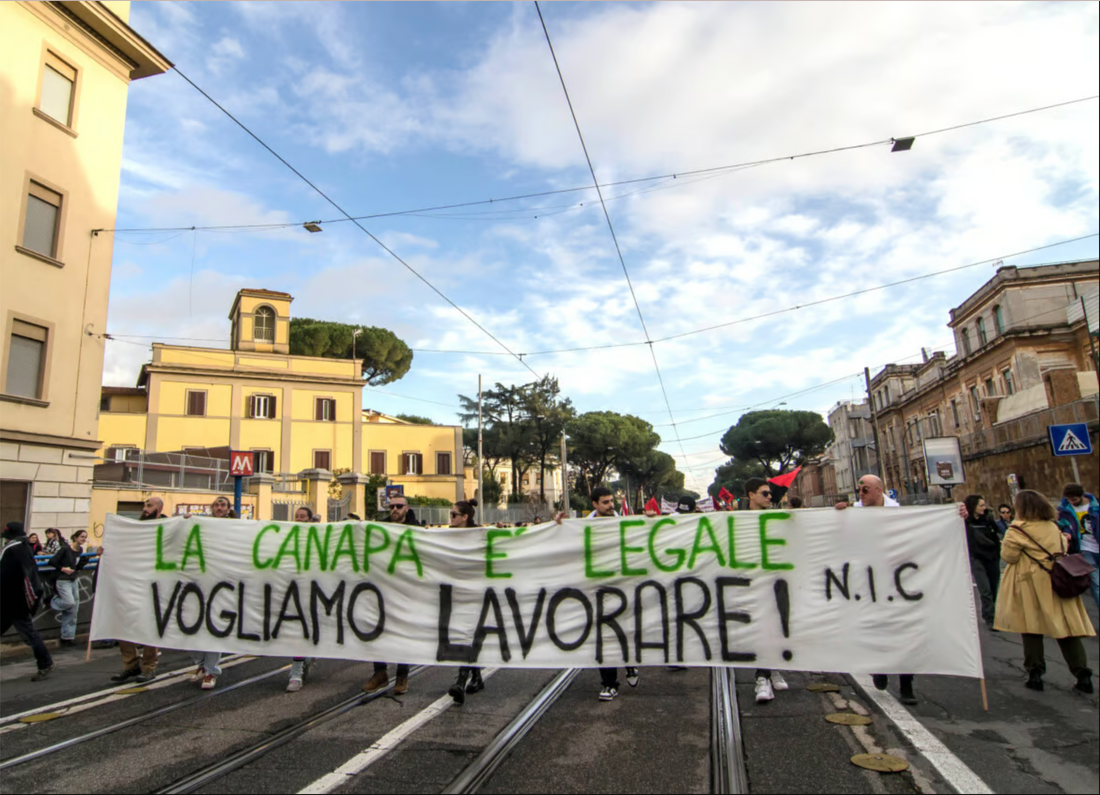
point(454, 514)
point(766, 493)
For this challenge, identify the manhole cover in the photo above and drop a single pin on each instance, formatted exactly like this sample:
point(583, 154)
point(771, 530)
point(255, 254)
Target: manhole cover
point(40, 717)
point(882, 763)
point(848, 719)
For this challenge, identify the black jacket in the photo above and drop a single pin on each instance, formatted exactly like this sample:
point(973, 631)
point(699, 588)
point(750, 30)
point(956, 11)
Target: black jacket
point(982, 539)
point(67, 558)
point(21, 588)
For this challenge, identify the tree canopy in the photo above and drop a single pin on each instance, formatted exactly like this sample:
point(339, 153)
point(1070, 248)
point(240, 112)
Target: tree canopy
point(415, 419)
point(603, 440)
point(386, 357)
point(776, 440)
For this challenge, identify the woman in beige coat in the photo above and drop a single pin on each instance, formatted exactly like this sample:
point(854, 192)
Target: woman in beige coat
point(1027, 603)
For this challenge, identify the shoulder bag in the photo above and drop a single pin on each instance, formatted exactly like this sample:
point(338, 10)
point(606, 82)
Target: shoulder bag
point(1069, 574)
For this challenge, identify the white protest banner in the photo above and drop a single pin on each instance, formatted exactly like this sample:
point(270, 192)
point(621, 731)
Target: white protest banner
point(870, 591)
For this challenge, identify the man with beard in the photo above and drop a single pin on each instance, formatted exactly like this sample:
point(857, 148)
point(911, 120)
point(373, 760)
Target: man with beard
point(400, 513)
point(142, 669)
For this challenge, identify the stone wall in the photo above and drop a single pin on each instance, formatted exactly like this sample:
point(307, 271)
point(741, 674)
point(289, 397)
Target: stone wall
point(61, 484)
point(1035, 466)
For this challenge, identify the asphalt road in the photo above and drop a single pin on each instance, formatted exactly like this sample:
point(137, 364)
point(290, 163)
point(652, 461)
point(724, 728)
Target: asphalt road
point(653, 738)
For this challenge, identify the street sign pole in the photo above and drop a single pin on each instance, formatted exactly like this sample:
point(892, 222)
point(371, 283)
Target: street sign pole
point(241, 465)
point(237, 488)
point(1076, 473)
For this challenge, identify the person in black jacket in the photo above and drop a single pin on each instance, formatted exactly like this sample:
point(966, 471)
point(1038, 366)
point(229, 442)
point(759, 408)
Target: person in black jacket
point(20, 592)
point(68, 562)
point(984, 545)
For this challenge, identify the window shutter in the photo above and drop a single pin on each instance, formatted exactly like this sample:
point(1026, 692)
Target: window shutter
point(332, 410)
point(24, 366)
point(419, 464)
point(40, 226)
point(271, 408)
point(404, 463)
point(251, 405)
point(318, 409)
point(378, 463)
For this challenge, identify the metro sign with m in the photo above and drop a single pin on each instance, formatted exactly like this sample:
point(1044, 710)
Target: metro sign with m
point(241, 464)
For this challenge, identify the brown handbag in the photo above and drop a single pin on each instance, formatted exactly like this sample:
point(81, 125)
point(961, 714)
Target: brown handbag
point(1069, 574)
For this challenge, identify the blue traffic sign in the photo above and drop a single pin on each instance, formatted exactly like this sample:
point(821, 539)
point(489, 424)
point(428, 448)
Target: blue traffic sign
point(1071, 439)
point(892, 494)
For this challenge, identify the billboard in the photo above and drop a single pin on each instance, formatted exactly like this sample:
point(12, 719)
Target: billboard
point(943, 461)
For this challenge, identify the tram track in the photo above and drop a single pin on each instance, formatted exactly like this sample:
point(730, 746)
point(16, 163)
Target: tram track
point(137, 719)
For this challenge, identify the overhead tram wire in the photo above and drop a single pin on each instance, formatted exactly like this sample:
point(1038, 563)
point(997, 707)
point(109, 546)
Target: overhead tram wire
point(611, 228)
point(362, 228)
point(676, 175)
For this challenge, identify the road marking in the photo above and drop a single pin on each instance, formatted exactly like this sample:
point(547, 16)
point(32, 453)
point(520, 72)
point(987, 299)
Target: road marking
point(954, 770)
point(111, 694)
point(361, 761)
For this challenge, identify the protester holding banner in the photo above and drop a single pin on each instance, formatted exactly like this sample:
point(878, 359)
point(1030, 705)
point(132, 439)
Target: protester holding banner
point(208, 663)
point(984, 546)
point(1028, 603)
point(68, 562)
point(21, 591)
point(469, 677)
point(1079, 515)
point(400, 513)
point(299, 666)
point(759, 494)
point(143, 669)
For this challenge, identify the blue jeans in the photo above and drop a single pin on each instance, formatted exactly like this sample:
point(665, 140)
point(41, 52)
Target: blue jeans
point(209, 660)
point(67, 602)
point(1094, 578)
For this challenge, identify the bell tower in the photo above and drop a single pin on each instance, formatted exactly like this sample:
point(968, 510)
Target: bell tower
point(261, 321)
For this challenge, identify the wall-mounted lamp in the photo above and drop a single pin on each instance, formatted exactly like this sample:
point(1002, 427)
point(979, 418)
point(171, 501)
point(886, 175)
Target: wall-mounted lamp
point(312, 226)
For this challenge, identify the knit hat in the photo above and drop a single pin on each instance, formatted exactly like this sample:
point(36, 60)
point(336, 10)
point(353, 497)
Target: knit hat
point(14, 529)
point(686, 505)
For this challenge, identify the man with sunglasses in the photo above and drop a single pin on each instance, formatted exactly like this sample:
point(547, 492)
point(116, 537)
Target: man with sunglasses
point(759, 494)
point(873, 495)
point(400, 513)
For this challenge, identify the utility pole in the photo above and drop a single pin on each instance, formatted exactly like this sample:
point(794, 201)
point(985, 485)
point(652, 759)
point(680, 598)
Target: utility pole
point(874, 423)
point(480, 463)
point(564, 476)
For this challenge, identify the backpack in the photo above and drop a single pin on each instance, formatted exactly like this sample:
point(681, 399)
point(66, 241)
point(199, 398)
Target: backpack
point(34, 591)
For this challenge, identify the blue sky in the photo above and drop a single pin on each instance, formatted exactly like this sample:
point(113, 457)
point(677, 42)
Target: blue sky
point(395, 106)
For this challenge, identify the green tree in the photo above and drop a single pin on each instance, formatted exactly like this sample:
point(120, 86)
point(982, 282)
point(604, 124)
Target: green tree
point(549, 414)
point(601, 441)
point(777, 440)
point(650, 475)
point(386, 357)
point(509, 433)
point(417, 420)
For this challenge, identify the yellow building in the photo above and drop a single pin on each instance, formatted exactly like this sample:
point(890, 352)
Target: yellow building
point(302, 416)
point(65, 69)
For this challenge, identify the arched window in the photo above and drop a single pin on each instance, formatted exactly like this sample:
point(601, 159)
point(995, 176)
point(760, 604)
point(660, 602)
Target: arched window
point(981, 333)
point(263, 325)
point(999, 319)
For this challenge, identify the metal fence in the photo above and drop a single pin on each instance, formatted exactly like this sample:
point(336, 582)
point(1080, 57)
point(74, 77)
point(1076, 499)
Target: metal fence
point(165, 471)
point(526, 512)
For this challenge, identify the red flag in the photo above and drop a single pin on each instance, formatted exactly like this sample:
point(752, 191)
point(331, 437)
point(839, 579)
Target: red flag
point(652, 505)
point(787, 479)
point(725, 496)
point(626, 508)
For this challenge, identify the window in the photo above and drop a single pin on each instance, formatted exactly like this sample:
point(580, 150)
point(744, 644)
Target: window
point(264, 460)
point(966, 342)
point(26, 360)
point(1010, 388)
point(322, 459)
point(105, 403)
point(977, 402)
point(324, 409)
point(990, 389)
point(981, 333)
point(412, 464)
point(42, 221)
point(129, 508)
point(120, 453)
point(14, 495)
point(261, 406)
point(263, 324)
point(58, 84)
point(377, 462)
point(442, 463)
point(196, 403)
point(999, 319)
point(955, 412)
point(934, 423)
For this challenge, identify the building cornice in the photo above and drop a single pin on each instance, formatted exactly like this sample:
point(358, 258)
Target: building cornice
point(47, 440)
point(109, 30)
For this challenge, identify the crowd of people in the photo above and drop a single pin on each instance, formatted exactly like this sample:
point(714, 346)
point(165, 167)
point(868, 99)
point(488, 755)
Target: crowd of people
point(1018, 560)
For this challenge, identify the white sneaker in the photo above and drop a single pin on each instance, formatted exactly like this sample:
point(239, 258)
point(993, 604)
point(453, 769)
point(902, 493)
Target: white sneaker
point(198, 675)
point(209, 682)
point(294, 685)
point(778, 682)
point(764, 692)
point(632, 677)
point(297, 674)
point(608, 693)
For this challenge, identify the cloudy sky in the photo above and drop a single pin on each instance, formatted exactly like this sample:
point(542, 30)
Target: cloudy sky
point(403, 106)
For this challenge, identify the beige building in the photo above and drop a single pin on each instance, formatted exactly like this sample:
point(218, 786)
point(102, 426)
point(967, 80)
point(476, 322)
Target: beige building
point(1023, 356)
point(65, 69)
point(853, 449)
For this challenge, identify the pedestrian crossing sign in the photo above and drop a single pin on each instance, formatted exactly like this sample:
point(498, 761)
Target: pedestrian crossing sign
point(1070, 439)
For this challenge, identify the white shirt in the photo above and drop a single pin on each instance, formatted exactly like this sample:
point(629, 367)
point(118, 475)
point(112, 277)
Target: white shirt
point(887, 503)
point(595, 515)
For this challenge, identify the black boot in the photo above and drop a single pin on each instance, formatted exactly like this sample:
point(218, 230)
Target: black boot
point(1084, 681)
point(1035, 679)
point(458, 689)
point(907, 696)
point(477, 684)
